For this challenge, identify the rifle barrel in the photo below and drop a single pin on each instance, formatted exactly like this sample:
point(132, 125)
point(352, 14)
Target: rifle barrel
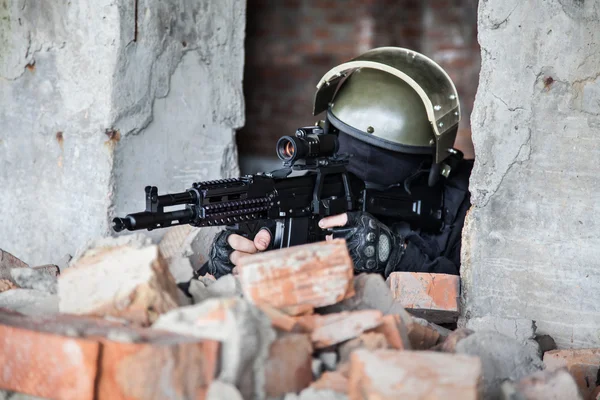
point(149, 220)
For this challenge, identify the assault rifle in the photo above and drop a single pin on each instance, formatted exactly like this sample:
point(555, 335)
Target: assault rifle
point(323, 187)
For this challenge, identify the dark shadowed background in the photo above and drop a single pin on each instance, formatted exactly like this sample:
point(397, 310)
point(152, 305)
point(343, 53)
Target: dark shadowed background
point(290, 44)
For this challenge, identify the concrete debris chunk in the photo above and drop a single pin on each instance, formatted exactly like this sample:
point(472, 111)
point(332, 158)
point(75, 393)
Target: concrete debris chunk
point(181, 269)
point(583, 364)
point(220, 391)
point(29, 301)
point(33, 278)
point(245, 334)
point(9, 395)
point(522, 330)
point(123, 281)
point(331, 329)
point(434, 297)
point(173, 242)
point(63, 262)
point(5, 285)
point(289, 367)
point(185, 241)
point(49, 269)
point(317, 368)
point(330, 359)
point(316, 394)
point(8, 262)
point(517, 328)
point(137, 240)
point(316, 274)
point(391, 374)
point(206, 288)
point(369, 341)
point(543, 385)
point(42, 355)
point(502, 358)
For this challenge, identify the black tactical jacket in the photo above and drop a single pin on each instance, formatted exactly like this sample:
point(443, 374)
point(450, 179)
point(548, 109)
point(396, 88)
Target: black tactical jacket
point(440, 253)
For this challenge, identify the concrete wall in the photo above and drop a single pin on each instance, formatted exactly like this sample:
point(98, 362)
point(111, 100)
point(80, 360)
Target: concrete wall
point(98, 100)
point(532, 240)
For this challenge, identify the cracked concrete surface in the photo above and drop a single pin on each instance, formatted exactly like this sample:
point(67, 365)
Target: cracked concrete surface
point(530, 246)
point(90, 116)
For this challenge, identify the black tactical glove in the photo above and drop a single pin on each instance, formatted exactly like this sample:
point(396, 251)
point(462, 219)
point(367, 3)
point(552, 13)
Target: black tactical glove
point(219, 263)
point(372, 245)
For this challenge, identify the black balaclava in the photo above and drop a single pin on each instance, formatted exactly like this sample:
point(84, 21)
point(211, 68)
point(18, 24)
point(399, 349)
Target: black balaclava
point(379, 166)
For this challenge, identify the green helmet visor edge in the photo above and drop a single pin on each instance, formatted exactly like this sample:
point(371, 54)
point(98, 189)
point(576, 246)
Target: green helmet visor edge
point(435, 88)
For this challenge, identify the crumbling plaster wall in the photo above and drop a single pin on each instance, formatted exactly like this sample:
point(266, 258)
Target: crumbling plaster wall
point(101, 98)
point(531, 246)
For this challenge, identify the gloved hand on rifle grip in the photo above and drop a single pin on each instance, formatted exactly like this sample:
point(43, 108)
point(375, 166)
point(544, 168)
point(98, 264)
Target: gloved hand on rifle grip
point(229, 247)
point(373, 246)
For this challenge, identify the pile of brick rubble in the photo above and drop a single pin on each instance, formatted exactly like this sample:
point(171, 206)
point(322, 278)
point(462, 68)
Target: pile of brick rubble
point(297, 323)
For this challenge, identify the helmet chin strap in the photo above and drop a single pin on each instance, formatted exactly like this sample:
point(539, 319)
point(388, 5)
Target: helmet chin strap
point(434, 174)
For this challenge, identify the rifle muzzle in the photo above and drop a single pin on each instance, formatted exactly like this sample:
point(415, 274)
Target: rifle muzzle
point(150, 220)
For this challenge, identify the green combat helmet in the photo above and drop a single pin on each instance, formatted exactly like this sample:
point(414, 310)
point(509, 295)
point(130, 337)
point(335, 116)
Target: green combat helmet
point(396, 99)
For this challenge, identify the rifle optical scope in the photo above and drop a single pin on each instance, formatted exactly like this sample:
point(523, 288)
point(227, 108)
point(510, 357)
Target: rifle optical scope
point(308, 143)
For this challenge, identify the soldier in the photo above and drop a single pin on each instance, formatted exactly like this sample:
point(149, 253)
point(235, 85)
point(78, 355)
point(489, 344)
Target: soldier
point(397, 113)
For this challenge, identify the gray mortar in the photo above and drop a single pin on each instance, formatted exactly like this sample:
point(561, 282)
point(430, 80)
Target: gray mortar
point(530, 243)
point(173, 111)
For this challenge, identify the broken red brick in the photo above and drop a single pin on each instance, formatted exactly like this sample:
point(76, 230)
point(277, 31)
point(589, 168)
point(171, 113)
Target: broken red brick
point(331, 380)
point(144, 289)
point(47, 365)
point(583, 364)
point(289, 367)
point(430, 296)
point(316, 274)
point(73, 357)
point(280, 320)
point(392, 374)
point(157, 370)
point(330, 329)
point(422, 337)
point(5, 285)
point(369, 341)
point(303, 309)
point(390, 329)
